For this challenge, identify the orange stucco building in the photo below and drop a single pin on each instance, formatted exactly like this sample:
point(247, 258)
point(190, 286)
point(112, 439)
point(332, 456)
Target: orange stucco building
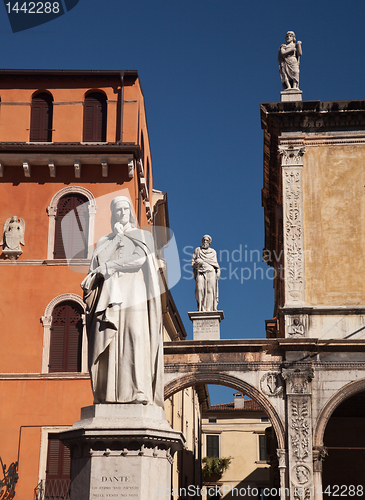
point(64, 135)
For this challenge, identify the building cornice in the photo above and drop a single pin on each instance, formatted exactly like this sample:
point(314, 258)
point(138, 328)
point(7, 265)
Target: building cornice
point(313, 115)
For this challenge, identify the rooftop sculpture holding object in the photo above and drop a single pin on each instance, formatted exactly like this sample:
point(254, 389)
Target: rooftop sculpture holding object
point(289, 59)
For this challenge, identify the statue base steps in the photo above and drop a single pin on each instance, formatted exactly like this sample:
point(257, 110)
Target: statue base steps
point(289, 95)
point(121, 451)
point(206, 324)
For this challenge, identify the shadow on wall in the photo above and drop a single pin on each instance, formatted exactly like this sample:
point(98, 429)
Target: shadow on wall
point(189, 466)
point(257, 480)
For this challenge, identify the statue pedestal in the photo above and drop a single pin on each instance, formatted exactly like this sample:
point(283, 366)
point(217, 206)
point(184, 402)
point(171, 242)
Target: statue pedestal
point(120, 451)
point(206, 324)
point(291, 95)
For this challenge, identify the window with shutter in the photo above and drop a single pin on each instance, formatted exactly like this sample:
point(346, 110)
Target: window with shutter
point(213, 445)
point(66, 338)
point(95, 109)
point(71, 237)
point(41, 118)
point(58, 470)
point(262, 448)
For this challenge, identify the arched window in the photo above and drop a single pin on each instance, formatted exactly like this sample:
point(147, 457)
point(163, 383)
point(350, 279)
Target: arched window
point(71, 234)
point(83, 241)
point(95, 110)
point(66, 338)
point(64, 335)
point(41, 118)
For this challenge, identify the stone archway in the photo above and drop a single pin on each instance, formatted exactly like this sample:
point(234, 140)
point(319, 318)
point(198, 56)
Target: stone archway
point(338, 434)
point(339, 397)
point(220, 378)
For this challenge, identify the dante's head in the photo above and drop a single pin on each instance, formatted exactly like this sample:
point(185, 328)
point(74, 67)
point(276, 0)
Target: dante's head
point(122, 211)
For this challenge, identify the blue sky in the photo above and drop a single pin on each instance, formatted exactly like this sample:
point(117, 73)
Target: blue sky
point(205, 66)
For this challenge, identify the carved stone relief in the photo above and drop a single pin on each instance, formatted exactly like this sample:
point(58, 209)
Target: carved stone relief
point(13, 237)
point(270, 384)
point(296, 326)
point(292, 162)
point(297, 380)
point(299, 430)
point(300, 426)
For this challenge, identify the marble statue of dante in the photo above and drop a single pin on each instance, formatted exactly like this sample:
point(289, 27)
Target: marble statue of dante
point(206, 273)
point(289, 57)
point(123, 314)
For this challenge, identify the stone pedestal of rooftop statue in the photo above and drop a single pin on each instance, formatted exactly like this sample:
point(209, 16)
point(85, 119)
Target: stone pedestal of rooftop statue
point(121, 451)
point(206, 324)
point(290, 95)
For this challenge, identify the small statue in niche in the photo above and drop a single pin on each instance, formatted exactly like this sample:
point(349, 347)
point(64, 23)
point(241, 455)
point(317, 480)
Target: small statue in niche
point(296, 328)
point(289, 58)
point(13, 237)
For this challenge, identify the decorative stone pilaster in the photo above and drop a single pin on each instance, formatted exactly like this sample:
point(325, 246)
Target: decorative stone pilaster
point(292, 163)
point(299, 428)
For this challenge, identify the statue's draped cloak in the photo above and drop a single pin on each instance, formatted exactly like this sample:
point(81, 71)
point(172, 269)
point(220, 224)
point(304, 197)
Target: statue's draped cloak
point(288, 65)
point(124, 321)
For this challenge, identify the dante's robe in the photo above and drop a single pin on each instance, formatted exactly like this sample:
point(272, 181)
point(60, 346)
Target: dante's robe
point(124, 321)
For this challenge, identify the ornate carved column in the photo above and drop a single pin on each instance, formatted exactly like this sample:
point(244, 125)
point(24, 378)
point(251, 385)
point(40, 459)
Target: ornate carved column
point(282, 456)
point(292, 163)
point(299, 427)
point(318, 456)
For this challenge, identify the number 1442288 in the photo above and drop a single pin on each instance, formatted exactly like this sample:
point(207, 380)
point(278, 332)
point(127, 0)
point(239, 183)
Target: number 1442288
point(33, 7)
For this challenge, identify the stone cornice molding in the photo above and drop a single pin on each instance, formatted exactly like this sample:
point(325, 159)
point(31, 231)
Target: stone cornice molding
point(313, 115)
point(45, 376)
point(38, 262)
point(338, 310)
point(316, 140)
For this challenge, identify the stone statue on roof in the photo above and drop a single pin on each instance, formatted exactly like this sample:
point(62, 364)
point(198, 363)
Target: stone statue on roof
point(289, 58)
point(206, 273)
